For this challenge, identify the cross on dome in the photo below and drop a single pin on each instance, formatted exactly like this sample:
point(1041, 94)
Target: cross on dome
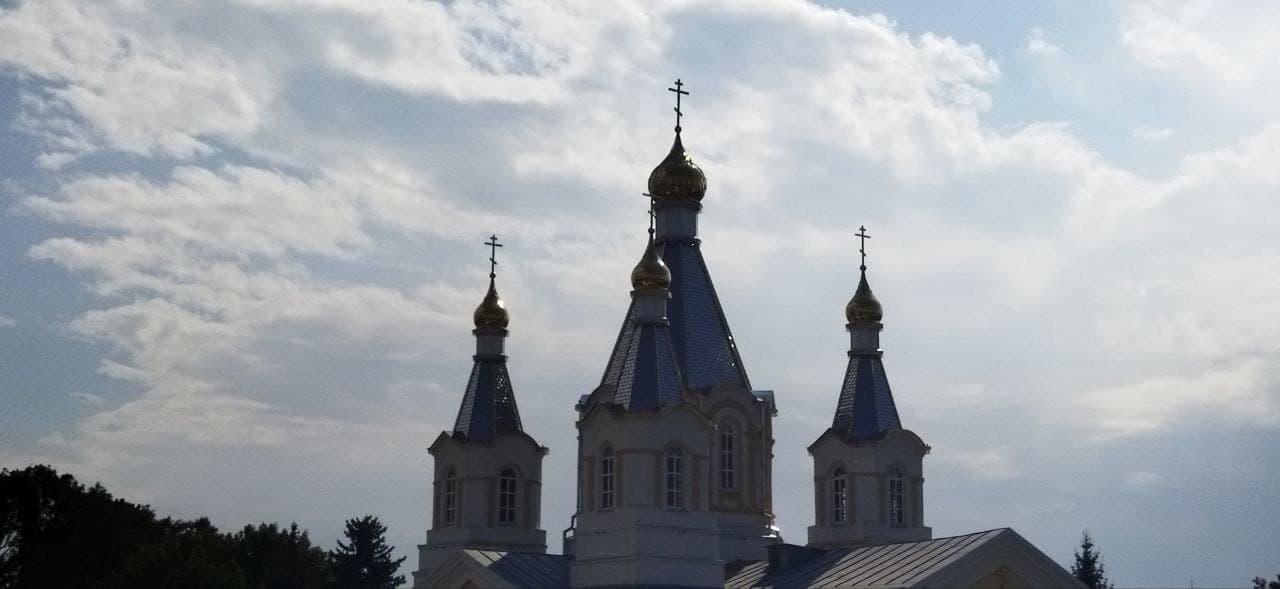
point(862, 245)
point(679, 91)
point(653, 215)
point(493, 254)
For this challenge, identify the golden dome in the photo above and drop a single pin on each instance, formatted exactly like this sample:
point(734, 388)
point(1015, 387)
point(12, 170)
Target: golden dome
point(863, 307)
point(491, 312)
point(651, 272)
point(677, 177)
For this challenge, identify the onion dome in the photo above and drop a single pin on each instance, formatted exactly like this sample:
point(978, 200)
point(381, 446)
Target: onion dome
point(677, 177)
point(651, 272)
point(863, 307)
point(491, 312)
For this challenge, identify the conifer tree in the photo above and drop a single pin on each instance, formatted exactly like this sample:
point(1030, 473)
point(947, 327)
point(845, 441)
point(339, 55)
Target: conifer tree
point(364, 561)
point(1088, 565)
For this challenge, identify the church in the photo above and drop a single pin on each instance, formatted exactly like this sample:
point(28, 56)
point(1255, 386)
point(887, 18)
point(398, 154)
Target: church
point(675, 452)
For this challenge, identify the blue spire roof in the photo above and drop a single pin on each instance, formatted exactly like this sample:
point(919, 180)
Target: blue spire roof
point(642, 369)
point(696, 335)
point(489, 405)
point(704, 346)
point(866, 410)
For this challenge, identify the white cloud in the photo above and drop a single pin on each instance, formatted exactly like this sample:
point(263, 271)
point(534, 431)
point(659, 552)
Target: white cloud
point(1232, 393)
point(991, 464)
point(7, 322)
point(1220, 49)
point(1151, 134)
point(135, 87)
point(1142, 479)
point(1037, 44)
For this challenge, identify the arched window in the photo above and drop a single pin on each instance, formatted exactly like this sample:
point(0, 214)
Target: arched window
point(726, 456)
point(507, 496)
point(450, 511)
point(675, 478)
point(607, 478)
point(895, 497)
point(839, 497)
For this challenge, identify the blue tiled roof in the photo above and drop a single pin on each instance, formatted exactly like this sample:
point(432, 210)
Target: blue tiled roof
point(642, 369)
point(489, 405)
point(866, 410)
point(704, 346)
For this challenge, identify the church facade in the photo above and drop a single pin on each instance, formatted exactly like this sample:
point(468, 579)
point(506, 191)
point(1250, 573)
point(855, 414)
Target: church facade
point(675, 452)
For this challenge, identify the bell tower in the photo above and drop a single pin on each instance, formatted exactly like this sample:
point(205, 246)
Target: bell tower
point(487, 490)
point(867, 469)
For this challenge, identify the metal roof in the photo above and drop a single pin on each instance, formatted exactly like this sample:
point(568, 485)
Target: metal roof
point(489, 405)
point(524, 569)
point(704, 346)
point(866, 410)
point(884, 565)
point(642, 369)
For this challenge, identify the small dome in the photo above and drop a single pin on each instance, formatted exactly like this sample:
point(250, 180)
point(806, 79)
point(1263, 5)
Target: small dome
point(863, 307)
point(651, 272)
point(491, 312)
point(677, 177)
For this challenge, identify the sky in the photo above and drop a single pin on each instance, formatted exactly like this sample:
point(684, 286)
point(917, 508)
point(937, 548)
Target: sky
point(242, 242)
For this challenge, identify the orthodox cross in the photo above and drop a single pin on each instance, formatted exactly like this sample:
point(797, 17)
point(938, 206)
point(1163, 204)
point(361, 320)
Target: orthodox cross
point(862, 246)
point(652, 214)
point(1002, 572)
point(493, 254)
point(678, 90)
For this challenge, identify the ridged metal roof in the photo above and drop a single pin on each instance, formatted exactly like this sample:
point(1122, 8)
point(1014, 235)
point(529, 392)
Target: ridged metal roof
point(866, 410)
point(489, 405)
point(525, 569)
point(704, 346)
point(885, 565)
point(642, 369)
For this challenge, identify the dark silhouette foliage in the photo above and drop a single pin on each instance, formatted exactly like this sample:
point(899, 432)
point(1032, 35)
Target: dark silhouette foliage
point(275, 558)
point(189, 554)
point(364, 561)
point(1088, 565)
point(57, 533)
point(1261, 583)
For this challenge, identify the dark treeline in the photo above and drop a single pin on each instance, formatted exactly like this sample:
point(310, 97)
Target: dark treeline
point(56, 532)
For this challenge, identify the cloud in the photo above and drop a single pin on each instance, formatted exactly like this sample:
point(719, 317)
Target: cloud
point(7, 322)
point(1037, 44)
point(1151, 134)
point(1219, 49)
point(1142, 479)
point(103, 79)
point(1237, 392)
point(988, 464)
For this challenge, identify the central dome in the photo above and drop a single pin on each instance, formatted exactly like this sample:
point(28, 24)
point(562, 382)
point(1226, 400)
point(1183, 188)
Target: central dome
point(677, 177)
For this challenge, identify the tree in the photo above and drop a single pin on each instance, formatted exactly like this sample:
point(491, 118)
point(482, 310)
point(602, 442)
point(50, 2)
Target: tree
point(1261, 583)
point(55, 532)
point(274, 558)
point(364, 562)
point(1088, 565)
point(190, 555)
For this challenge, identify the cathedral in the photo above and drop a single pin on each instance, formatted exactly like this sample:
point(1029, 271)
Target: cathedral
point(675, 452)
